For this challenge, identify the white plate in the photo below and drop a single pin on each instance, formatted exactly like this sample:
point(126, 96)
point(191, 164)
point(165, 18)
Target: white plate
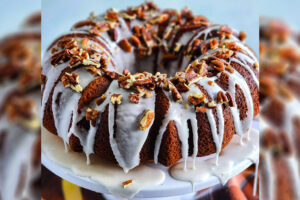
point(170, 187)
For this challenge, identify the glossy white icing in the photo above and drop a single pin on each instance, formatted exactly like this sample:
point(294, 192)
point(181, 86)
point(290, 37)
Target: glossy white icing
point(103, 172)
point(232, 155)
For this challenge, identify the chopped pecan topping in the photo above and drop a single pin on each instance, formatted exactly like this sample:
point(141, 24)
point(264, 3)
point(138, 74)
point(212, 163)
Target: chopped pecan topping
point(127, 183)
point(137, 31)
point(134, 40)
point(211, 104)
point(116, 98)
point(180, 84)
point(143, 92)
point(92, 115)
point(218, 65)
point(196, 98)
point(93, 30)
point(134, 98)
point(71, 81)
point(113, 33)
point(242, 36)
point(213, 43)
point(159, 19)
point(201, 109)
point(125, 45)
point(67, 43)
point(175, 93)
point(226, 29)
point(112, 75)
point(221, 97)
point(74, 61)
point(126, 72)
point(128, 15)
point(111, 15)
point(147, 119)
point(147, 83)
point(60, 57)
point(93, 70)
point(225, 32)
point(125, 82)
point(103, 62)
point(85, 42)
point(211, 83)
point(232, 46)
point(101, 99)
point(53, 50)
point(196, 70)
point(229, 68)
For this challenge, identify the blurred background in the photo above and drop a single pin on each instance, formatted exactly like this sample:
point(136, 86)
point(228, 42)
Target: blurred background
point(20, 67)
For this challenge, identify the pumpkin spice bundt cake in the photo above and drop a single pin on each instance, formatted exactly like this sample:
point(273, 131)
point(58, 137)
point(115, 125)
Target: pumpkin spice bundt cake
point(145, 84)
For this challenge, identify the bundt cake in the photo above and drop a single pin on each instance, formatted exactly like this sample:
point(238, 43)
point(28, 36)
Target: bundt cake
point(20, 144)
point(280, 111)
point(145, 84)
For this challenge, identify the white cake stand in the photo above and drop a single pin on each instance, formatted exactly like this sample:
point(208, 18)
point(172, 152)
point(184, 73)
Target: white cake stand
point(171, 188)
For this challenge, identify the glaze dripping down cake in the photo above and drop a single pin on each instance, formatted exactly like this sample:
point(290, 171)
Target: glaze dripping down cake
point(145, 84)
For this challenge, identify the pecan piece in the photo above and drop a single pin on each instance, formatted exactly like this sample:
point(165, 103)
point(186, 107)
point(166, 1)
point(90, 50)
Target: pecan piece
point(213, 43)
point(159, 19)
point(127, 183)
point(125, 45)
point(218, 65)
point(143, 92)
point(242, 36)
point(211, 83)
point(196, 98)
point(211, 104)
point(175, 93)
point(137, 31)
point(92, 115)
point(111, 15)
point(229, 68)
point(93, 30)
point(71, 81)
point(103, 62)
point(67, 43)
point(61, 56)
point(116, 98)
point(113, 33)
point(201, 109)
point(134, 40)
point(147, 119)
point(134, 98)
